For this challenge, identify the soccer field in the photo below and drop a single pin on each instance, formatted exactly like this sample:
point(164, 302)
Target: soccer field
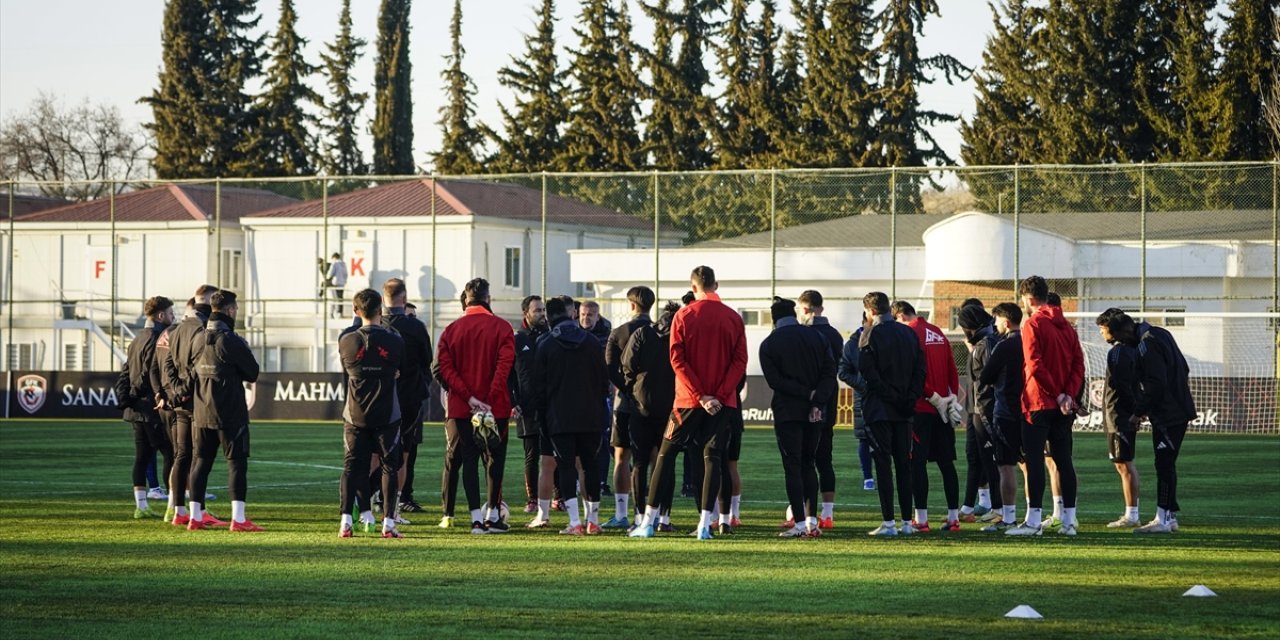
point(75, 563)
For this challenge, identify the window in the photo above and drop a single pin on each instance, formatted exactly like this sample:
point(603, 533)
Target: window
point(757, 317)
point(231, 270)
point(22, 356)
point(511, 273)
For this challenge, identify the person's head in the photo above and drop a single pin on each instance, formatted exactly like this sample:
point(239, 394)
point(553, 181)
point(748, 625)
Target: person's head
point(1053, 299)
point(669, 311)
point(1008, 317)
point(810, 306)
point(641, 299)
point(972, 301)
point(191, 305)
point(394, 291)
point(703, 281)
point(368, 305)
point(159, 309)
point(535, 312)
point(204, 293)
point(903, 311)
point(476, 292)
point(411, 309)
point(1033, 292)
point(589, 314)
point(875, 303)
point(782, 308)
point(1115, 326)
point(559, 309)
point(687, 298)
point(972, 318)
point(335, 256)
point(224, 302)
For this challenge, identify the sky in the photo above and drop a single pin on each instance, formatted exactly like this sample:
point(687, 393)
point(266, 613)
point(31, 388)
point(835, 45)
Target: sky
point(109, 53)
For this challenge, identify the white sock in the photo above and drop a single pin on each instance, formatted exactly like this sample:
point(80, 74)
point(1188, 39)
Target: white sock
point(173, 502)
point(1068, 516)
point(1057, 507)
point(575, 518)
point(346, 521)
point(922, 516)
point(811, 524)
point(665, 518)
point(889, 524)
point(953, 515)
point(828, 509)
point(367, 517)
point(790, 515)
point(984, 498)
point(735, 504)
point(621, 505)
point(388, 524)
point(593, 512)
point(1132, 513)
point(724, 518)
point(704, 519)
point(237, 510)
point(1034, 516)
point(1162, 516)
point(181, 510)
point(1009, 514)
point(651, 517)
point(476, 515)
point(197, 510)
point(966, 509)
point(544, 509)
point(715, 510)
point(140, 498)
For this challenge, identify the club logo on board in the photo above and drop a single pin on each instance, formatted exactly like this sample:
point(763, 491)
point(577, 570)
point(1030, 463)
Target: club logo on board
point(32, 393)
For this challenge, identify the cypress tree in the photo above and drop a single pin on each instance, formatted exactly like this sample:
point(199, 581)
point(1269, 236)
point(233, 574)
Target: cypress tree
point(791, 99)
point(283, 140)
point(531, 132)
point(1005, 129)
point(840, 87)
point(660, 144)
point(698, 118)
point(343, 156)
point(177, 103)
point(235, 116)
point(601, 132)
point(803, 63)
point(1175, 86)
point(736, 132)
point(902, 122)
point(1249, 45)
point(460, 140)
point(393, 98)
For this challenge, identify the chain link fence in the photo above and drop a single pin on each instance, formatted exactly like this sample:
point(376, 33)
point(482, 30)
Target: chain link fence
point(1189, 246)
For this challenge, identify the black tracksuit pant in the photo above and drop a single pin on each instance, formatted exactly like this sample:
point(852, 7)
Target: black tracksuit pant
point(570, 448)
point(890, 443)
point(360, 443)
point(1052, 427)
point(798, 443)
point(1167, 442)
point(150, 438)
point(234, 442)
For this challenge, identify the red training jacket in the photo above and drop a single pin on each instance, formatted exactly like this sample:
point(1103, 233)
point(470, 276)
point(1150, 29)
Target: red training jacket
point(940, 375)
point(1052, 360)
point(475, 355)
point(708, 352)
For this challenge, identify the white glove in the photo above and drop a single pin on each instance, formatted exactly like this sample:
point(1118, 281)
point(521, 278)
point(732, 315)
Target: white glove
point(955, 413)
point(939, 403)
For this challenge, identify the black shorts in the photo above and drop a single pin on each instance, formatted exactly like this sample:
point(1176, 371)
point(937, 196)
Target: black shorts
point(1122, 445)
point(411, 425)
point(1006, 440)
point(733, 444)
point(545, 447)
point(695, 428)
point(933, 437)
point(235, 442)
point(646, 431)
point(621, 436)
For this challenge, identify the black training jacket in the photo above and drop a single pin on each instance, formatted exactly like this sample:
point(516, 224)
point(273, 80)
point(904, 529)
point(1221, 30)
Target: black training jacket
point(646, 367)
point(797, 363)
point(179, 366)
point(848, 373)
point(1166, 385)
point(836, 343)
point(892, 363)
point(1120, 388)
point(521, 381)
point(415, 367)
point(569, 380)
point(1003, 370)
point(613, 348)
point(371, 356)
point(134, 390)
point(223, 363)
point(982, 397)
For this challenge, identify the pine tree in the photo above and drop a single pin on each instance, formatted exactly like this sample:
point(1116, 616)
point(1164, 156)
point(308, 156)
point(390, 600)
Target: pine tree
point(283, 139)
point(736, 134)
point(791, 101)
point(840, 88)
point(601, 132)
point(460, 141)
point(803, 61)
point(1004, 129)
point(660, 136)
point(902, 124)
point(1175, 85)
point(239, 65)
point(1250, 50)
point(343, 156)
point(178, 101)
point(531, 131)
point(393, 92)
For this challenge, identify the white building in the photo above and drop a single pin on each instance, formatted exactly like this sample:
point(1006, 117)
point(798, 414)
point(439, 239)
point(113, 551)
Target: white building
point(479, 229)
point(70, 262)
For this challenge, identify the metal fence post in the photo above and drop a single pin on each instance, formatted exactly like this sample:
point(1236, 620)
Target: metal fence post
point(543, 244)
point(893, 233)
point(324, 288)
point(1017, 230)
point(217, 225)
point(431, 325)
point(1275, 242)
point(1142, 222)
point(657, 238)
point(115, 266)
point(8, 302)
point(773, 233)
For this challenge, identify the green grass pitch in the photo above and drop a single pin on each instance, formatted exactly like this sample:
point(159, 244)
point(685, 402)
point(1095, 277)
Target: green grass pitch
point(74, 564)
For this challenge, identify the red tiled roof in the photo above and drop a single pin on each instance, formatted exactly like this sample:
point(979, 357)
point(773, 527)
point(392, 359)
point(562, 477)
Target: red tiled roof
point(459, 197)
point(169, 203)
point(24, 204)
